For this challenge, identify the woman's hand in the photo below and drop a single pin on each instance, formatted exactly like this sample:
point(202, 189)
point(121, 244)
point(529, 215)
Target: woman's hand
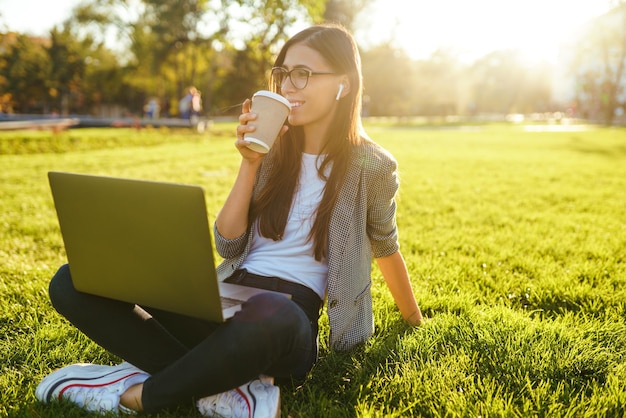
point(244, 128)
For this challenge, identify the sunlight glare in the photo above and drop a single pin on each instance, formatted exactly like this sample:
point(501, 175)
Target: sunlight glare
point(474, 28)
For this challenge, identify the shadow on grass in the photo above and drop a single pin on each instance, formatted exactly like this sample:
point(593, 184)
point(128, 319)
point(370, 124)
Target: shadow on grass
point(600, 148)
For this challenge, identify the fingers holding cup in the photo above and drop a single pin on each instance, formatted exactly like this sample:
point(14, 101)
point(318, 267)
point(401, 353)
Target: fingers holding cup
point(270, 111)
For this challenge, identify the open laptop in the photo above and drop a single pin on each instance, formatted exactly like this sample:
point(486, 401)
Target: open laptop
point(143, 242)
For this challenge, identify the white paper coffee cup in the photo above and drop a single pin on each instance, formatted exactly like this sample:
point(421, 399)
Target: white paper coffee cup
point(272, 111)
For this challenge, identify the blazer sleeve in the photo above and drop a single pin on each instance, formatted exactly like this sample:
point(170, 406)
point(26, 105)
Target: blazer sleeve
point(229, 248)
point(381, 212)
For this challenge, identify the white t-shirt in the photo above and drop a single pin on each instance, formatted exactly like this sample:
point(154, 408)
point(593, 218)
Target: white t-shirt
point(292, 258)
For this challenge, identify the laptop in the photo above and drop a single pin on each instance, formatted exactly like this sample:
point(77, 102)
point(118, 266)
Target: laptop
point(143, 242)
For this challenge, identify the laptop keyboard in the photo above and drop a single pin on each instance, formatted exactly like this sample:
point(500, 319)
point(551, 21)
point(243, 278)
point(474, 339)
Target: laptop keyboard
point(230, 302)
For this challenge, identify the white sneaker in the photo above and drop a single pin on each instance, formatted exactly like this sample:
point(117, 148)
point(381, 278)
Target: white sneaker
point(93, 387)
point(256, 399)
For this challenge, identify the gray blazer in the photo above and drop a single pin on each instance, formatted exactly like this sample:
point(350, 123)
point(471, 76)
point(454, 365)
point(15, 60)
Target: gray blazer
point(362, 226)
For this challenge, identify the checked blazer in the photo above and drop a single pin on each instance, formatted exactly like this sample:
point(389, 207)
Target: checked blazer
point(362, 226)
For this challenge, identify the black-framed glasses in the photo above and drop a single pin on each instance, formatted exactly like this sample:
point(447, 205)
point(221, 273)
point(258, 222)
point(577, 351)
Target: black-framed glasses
point(299, 77)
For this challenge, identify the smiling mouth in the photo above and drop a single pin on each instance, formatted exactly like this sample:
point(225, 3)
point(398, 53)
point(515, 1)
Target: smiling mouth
point(296, 104)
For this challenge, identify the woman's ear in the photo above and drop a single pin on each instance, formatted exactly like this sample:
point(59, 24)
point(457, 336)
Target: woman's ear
point(343, 89)
point(339, 92)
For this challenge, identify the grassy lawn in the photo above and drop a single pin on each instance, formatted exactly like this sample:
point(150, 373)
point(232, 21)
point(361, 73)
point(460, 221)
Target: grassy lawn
point(515, 240)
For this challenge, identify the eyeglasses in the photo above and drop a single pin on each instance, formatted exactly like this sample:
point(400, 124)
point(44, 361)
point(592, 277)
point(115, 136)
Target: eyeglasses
point(299, 77)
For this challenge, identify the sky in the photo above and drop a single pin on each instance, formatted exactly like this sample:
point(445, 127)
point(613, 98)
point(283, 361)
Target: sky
point(476, 27)
point(36, 17)
point(470, 27)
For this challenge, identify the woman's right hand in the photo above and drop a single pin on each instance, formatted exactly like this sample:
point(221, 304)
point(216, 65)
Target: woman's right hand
point(244, 128)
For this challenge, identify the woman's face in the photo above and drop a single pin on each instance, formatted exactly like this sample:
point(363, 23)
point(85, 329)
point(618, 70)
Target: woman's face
point(312, 106)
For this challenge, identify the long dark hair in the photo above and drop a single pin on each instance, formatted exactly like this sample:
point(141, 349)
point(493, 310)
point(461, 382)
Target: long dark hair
point(271, 206)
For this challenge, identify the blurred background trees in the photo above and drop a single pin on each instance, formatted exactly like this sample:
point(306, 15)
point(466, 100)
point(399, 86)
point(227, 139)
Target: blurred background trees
point(599, 66)
point(225, 47)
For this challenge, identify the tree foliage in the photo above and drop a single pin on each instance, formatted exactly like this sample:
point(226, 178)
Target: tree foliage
point(439, 81)
point(224, 48)
point(24, 72)
point(266, 25)
point(345, 12)
point(67, 68)
point(600, 66)
point(174, 44)
point(389, 82)
point(504, 84)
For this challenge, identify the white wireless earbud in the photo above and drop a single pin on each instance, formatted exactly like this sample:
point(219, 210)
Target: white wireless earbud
point(339, 92)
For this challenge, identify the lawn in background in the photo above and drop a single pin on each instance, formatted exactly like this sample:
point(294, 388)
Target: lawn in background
point(515, 241)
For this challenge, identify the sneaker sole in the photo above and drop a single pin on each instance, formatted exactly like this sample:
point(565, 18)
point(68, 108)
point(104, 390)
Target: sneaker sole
point(96, 376)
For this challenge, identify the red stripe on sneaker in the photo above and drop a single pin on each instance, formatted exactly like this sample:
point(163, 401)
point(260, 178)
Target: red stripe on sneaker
point(86, 385)
point(245, 398)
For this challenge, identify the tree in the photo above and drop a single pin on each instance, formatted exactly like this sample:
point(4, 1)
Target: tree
point(600, 65)
point(440, 84)
point(24, 71)
point(166, 41)
point(345, 12)
point(103, 87)
point(237, 83)
point(67, 67)
point(178, 43)
point(265, 25)
point(224, 46)
point(86, 76)
point(503, 83)
point(389, 82)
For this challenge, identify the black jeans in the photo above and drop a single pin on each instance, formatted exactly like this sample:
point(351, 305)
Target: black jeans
point(190, 358)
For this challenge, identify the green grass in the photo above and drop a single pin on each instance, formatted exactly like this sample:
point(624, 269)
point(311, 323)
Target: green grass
point(515, 240)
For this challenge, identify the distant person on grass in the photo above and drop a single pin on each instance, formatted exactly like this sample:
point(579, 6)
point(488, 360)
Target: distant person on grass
point(306, 218)
point(185, 104)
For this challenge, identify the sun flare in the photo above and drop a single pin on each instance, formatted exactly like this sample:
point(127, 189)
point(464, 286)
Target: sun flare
point(474, 28)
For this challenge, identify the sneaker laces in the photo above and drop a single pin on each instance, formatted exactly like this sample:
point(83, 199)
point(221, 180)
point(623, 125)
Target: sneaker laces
point(232, 403)
point(94, 399)
point(102, 398)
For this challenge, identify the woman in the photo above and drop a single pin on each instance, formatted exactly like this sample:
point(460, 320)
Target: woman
point(304, 219)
